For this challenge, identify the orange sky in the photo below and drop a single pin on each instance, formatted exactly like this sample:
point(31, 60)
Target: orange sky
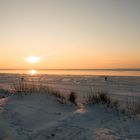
point(70, 34)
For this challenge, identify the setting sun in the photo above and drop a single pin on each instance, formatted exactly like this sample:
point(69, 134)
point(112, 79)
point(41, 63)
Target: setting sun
point(32, 59)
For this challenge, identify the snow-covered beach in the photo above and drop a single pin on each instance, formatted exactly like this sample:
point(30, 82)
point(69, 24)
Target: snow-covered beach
point(42, 117)
point(82, 84)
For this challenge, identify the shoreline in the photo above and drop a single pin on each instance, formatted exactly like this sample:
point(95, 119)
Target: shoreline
point(90, 75)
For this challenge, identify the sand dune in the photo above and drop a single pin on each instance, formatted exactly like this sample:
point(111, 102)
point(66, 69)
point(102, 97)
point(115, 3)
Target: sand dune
point(42, 117)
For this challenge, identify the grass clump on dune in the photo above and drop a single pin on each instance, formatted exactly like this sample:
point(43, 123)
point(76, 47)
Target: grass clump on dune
point(72, 97)
point(56, 93)
point(130, 108)
point(4, 92)
point(101, 98)
point(133, 107)
point(23, 88)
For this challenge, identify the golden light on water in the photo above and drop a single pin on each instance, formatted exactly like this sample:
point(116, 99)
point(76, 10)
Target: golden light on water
point(33, 59)
point(32, 72)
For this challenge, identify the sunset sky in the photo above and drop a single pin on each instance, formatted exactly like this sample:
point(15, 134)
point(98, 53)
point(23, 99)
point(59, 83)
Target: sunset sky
point(70, 34)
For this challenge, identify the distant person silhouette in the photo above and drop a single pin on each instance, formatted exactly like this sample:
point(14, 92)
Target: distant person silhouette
point(106, 78)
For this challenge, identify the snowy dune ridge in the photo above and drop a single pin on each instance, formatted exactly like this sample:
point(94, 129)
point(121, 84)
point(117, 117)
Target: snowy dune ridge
point(32, 113)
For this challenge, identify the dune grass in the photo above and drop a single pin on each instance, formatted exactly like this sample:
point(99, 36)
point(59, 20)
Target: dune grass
point(96, 98)
point(4, 92)
point(133, 107)
point(129, 108)
point(23, 88)
point(73, 97)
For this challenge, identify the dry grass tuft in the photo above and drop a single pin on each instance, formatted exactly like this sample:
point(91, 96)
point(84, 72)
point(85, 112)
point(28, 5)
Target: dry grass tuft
point(23, 88)
point(4, 92)
point(73, 97)
point(60, 97)
point(133, 107)
point(101, 98)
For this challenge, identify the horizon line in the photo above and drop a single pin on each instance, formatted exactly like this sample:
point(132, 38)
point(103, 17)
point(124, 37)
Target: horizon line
point(106, 69)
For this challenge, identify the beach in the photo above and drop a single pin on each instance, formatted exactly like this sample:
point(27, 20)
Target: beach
point(82, 84)
point(41, 116)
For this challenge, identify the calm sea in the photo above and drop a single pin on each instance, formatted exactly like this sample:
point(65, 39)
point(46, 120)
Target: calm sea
point(110, 72)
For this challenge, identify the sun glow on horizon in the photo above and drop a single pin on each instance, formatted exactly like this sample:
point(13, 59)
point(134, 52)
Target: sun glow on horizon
point(32, 59)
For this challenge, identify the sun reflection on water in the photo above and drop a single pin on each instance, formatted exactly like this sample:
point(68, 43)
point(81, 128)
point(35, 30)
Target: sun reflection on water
point(32, 72)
